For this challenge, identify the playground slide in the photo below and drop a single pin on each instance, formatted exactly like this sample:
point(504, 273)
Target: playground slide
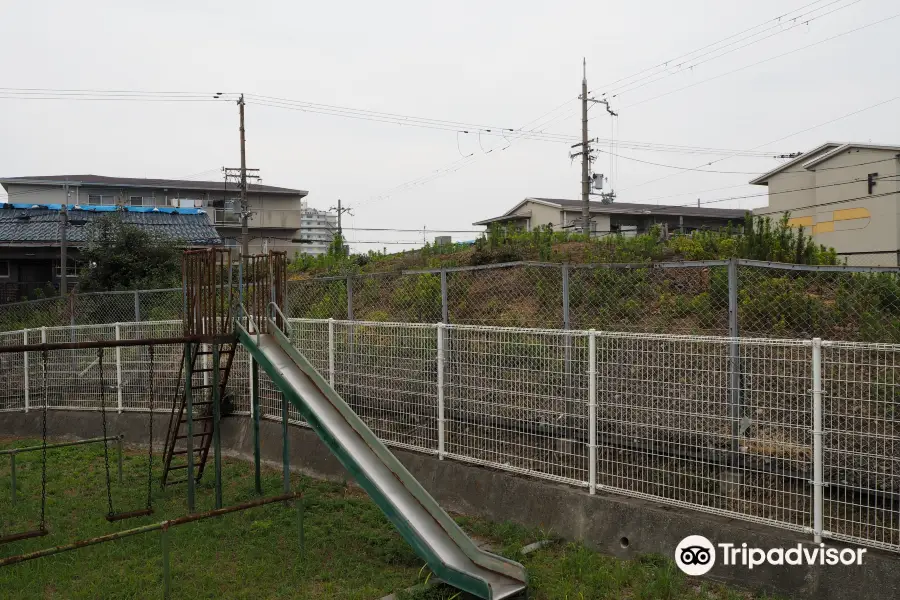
point(433, 535)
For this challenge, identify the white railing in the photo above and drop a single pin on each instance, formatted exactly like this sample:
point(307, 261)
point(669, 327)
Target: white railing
point(805, 437)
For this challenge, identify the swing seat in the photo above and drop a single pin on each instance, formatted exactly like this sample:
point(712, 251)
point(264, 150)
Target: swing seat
point(25, 535)
point(129, 515)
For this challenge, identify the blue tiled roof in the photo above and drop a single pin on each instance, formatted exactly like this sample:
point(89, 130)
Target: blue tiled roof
point(39, 224)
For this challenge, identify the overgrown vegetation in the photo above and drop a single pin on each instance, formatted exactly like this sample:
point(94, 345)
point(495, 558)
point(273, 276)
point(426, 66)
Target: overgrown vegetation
point(756, 238)
point(351, 550)
point(121, 256)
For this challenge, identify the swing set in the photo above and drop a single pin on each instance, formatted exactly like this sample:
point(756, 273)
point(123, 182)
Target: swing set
point(194, 421)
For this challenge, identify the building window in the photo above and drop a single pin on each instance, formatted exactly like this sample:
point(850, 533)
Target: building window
point(71, 268)
point(102, 200)
point(4, 268)
point(140, 201)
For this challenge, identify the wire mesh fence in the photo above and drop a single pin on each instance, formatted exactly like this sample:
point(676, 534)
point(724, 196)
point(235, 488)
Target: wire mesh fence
point(718, 424)
point(861, 443)
point(717, 297)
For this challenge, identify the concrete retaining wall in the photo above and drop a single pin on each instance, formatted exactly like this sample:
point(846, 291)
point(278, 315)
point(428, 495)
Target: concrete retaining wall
point(617, 525)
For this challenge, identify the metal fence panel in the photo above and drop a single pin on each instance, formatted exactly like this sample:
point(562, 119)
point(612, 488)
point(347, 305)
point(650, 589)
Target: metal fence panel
point(861, 443)
point(665, 429)
point(12, 373)
point(516, 398)
point(386, 372)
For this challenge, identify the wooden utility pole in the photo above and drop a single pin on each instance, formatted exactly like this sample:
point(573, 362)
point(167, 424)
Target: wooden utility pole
point(245, 207)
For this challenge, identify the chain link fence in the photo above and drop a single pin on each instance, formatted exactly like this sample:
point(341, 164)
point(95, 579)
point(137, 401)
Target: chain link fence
point(719, 297)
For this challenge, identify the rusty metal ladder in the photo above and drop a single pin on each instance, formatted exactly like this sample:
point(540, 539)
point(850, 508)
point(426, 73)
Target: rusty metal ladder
point(202, 403)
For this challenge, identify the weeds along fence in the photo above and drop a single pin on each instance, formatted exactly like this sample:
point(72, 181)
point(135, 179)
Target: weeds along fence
point(801, 434)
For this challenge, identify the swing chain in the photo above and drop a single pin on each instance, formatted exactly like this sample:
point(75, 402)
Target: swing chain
point(44, 357)
point(150, 442)
point(105, 435)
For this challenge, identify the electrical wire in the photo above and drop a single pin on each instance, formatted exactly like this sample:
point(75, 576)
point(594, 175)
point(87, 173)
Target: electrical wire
point(617, 92)
point(777, 56)
point(769, 194)
point(683, 57)
point(796, 133)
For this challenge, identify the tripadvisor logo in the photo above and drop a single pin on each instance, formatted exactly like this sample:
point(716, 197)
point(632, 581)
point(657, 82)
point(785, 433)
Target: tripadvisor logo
point(696, 555)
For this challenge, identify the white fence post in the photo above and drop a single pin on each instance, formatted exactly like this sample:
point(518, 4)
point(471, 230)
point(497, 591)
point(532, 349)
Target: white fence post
point(592, 411)
point(331, 352)
point(119, 368)
point(441, 328)
point(818, 467)
point(44, 383)
point(25, 359)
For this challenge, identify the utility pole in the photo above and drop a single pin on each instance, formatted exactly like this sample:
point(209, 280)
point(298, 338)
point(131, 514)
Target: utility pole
point(245, 207)
point(240, 176)
point(63, 242)
point(585, 157)
point(340, 211)
point(585, 153)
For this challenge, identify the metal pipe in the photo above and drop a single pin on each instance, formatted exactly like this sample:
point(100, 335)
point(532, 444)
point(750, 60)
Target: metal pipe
point(116, 343)
point(59, 445)
point(818, 471)
point(164, 542)
point(12, 560)
point(12, 475)
point(189, 415)
point(285, 446)
point(254, 408)
point(441, 329)
point(119, 449)
point(331, 352)
point(217, 415)
point(592, 412)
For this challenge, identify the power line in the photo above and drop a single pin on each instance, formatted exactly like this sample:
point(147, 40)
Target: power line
point(777, 56)
point(683, 57)
point(615, 92)
point(856, 112)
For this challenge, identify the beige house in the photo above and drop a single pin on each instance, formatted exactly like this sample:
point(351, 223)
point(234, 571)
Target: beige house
point(616, 218)
point(845, 195)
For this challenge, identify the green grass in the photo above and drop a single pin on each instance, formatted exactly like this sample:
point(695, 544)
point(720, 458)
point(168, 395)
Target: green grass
point(351, 551)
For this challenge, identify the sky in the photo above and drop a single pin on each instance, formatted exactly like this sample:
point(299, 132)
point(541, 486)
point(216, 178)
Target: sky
point(498, 65)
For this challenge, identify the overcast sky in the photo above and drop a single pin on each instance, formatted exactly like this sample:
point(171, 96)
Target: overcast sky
point(495, 63)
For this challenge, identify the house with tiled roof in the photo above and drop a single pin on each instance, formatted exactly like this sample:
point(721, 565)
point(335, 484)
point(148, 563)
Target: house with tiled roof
point(30, 239)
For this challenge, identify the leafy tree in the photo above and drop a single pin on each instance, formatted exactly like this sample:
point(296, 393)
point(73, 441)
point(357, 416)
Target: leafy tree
point(121, 256)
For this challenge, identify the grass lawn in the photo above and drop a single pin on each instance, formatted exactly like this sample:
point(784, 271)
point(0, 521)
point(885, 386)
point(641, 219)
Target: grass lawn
point(351, 551)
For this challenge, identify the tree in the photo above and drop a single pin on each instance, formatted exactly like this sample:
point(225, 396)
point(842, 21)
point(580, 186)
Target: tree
point(121, 256)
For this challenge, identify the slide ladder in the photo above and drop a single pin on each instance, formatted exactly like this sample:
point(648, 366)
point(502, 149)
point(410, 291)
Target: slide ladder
point(433, 535)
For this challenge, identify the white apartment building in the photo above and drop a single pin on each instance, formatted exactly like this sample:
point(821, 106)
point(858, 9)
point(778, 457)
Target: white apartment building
point(317, 229)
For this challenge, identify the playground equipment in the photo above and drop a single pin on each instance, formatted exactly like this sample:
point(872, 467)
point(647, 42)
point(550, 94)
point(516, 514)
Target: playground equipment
point(431, 532)
point(214, 323)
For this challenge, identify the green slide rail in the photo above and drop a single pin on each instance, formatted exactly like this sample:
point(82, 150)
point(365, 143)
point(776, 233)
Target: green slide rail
point(481, 573)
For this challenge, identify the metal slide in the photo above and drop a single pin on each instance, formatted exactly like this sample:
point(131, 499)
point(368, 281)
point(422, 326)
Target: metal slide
point(433, 535)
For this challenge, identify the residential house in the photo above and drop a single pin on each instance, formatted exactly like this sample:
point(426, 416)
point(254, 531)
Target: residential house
point(615, 218)
point(30, 240)
point(844, 195)
point(274, 224)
